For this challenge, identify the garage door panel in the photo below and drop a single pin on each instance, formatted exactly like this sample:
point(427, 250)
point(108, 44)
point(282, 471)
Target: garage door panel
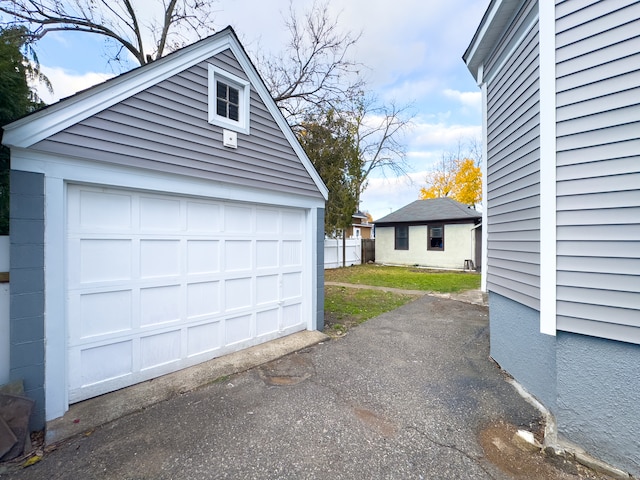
point(204, 338)
point(292, 223)
point(106, 362)
point(160, 214)
point(203, 256)
point(291, 315)
point(237, 255)
point(105, 260)
point(267, 322)
point(180, 280)
point(105, 211)
point(267, 221)
point(105, 313)
point(160, 349)
point(237, 329)
point(159, 258)
point(203, 217)
point(266, 253)
point(291, 285)
point(291, 253)
point(237, 293)
point(267, 289)
point(237, 219)
point(203, 299)
point(159, 305)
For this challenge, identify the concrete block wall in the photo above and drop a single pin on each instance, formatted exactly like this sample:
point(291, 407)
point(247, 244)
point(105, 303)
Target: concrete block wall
point(26, 320)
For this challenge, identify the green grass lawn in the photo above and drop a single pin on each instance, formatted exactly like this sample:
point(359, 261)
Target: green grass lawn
point(346, 307)
point(407, 278)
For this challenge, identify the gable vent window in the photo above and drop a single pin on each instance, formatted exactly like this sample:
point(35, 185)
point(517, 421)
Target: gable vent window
point(228, 100)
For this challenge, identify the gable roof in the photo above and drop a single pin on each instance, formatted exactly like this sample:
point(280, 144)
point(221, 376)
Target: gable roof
point(435, 209)
point(55, 118)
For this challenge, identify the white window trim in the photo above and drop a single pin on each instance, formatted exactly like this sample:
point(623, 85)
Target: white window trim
point(243, 86)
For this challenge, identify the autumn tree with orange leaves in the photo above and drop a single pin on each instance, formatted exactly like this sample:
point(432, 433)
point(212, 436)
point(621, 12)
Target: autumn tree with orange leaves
point(457, 176)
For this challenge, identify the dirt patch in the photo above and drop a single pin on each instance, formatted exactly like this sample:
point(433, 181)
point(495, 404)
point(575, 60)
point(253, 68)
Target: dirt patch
point(337, 326)
point(500, 448)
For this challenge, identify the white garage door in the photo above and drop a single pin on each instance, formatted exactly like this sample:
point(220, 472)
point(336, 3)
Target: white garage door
point(160, 282)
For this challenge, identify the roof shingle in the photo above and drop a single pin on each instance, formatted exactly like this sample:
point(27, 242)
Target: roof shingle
point(435, 209)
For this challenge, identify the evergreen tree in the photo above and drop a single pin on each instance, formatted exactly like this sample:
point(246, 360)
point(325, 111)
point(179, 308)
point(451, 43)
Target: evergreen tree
point(331, 148)
point(18, 67)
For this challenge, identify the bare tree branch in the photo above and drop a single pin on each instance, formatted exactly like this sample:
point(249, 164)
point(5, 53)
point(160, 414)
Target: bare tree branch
point(118, 20)
point(379, 134)
point(313, 73)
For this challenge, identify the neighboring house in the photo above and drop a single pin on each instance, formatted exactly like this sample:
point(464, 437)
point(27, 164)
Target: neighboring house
point(439, 233)
point(158, 220)
point(561, 96)
point(360, 228)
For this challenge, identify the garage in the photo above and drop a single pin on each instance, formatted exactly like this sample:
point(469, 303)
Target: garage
point(161, 282)
point(150, 233)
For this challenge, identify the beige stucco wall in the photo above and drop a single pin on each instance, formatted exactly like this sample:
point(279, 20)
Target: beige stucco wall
point(459, 245)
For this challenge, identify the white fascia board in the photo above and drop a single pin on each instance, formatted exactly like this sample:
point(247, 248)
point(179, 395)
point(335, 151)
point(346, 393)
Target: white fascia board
point(496, 18)
point(267, 99)
point(480, 35)
point(40, 125)
point(93, 172)
point(548, 234)
point(484, 252)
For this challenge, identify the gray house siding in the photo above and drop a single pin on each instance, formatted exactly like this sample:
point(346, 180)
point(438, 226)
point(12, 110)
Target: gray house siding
point(585, 370)
point(26, 317)
point(165, 128)
point(598, 179)
point(513, 170)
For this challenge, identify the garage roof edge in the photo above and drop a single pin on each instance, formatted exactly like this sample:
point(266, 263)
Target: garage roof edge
point(41, 124)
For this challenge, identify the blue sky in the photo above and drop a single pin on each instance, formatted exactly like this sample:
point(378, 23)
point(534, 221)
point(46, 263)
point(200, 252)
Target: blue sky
point(412, 50)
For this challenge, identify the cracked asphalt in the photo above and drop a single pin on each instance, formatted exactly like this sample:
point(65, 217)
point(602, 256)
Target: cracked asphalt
point(411, 394)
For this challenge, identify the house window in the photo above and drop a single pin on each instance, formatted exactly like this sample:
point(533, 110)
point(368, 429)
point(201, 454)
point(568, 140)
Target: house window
point(402, 237)
point(228, 100)
point(436, 237)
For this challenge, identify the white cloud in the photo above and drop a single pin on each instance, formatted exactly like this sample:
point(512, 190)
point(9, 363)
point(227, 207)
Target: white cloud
point(441, 135)
point(385, 195)
point(66, 83)
point(468, 99)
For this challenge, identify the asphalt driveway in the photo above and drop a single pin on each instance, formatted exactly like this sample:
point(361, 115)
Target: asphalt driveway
point(411, 394)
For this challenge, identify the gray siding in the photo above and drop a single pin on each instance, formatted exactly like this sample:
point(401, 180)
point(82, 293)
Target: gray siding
point(513, 164)
point(165, 128)
point(27, 288)
point(598, 172)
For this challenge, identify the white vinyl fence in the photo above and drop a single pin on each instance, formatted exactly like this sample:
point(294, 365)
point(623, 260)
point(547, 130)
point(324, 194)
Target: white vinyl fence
point(333, 252)
point(4, 312)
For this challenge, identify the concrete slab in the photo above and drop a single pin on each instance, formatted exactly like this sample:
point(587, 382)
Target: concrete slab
point(89, 414)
